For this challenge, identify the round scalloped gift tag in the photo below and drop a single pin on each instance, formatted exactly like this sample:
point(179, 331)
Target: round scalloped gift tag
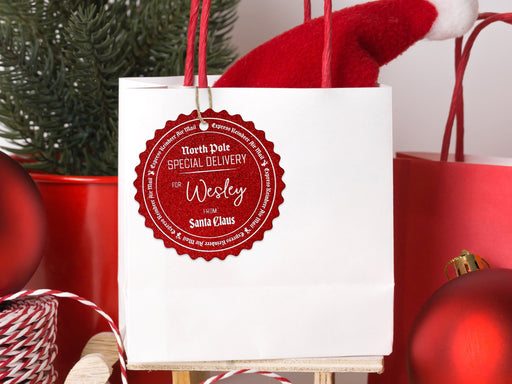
point(209, 192)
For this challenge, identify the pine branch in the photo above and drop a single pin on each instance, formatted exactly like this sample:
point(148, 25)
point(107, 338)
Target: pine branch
point(60, 62)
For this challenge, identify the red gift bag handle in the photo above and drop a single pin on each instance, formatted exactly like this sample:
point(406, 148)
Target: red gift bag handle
point(457, 102)
point(191, 37)
point(203, 28)
point(307, 10)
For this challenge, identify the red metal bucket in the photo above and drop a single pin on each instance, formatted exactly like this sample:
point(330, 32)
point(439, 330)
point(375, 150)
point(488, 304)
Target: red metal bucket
point(80, 256)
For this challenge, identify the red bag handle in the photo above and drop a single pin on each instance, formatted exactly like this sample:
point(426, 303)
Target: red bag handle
point(191, 37)
point(457, 102)
point(203, 28)
point(307, 10)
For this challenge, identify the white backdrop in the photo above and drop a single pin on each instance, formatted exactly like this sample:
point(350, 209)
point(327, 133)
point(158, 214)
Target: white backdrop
point(422, 81)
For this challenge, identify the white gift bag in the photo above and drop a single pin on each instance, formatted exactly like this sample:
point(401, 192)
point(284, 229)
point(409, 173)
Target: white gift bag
point(320, 281)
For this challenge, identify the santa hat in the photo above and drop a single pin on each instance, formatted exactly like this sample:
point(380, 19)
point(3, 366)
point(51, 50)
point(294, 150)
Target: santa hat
point(365, 37)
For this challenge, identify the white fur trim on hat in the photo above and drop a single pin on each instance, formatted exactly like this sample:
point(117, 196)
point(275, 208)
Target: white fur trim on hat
point(455, 18)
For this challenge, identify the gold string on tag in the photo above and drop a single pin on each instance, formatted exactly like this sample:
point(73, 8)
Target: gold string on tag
point(203, 125)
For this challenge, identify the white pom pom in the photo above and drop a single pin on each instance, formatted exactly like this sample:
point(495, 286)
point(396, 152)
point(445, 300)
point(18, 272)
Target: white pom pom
point(455, 18)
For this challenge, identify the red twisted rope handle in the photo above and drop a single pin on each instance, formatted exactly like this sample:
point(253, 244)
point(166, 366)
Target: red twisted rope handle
point(327, 52)
point(203, 43)
point(191, 41)
point(307, 10)
point(457, 102)
point(60, 294)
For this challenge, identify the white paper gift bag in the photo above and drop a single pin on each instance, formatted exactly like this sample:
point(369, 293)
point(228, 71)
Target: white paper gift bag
point(320, 283)
point(267, 235)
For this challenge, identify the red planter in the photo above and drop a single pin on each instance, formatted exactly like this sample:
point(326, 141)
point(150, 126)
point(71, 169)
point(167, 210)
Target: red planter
point(80, 256)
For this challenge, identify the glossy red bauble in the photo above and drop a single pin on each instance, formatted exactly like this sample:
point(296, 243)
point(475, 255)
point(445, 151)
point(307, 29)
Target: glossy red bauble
point(463, 333)
point(22, 226)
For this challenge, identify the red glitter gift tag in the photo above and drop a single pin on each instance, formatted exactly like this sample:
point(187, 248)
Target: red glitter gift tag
point(209, 192)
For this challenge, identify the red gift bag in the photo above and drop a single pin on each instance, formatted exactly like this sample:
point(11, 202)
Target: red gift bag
point(442, 207)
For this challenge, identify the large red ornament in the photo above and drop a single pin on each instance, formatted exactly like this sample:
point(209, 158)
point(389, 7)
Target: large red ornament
point(463, 333)
point(22, 226)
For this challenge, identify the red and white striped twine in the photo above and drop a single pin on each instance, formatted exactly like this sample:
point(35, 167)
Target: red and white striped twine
point(27, 336)
point(245, 371)
point(27, 341)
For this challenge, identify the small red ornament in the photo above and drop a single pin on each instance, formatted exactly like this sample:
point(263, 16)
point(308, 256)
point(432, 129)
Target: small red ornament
point(22, 226)
point(463, 333)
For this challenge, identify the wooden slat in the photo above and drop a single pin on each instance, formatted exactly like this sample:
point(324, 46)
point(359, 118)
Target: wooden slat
point(181, 377)
point(365, 365)
point(104, 343)
point(324, 378)
point(91, 369)
point(187, 377)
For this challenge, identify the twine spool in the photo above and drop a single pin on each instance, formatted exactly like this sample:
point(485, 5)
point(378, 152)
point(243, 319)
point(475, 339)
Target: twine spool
point(28, 329)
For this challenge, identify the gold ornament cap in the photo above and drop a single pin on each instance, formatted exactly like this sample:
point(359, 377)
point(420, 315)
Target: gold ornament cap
point(466, 262)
